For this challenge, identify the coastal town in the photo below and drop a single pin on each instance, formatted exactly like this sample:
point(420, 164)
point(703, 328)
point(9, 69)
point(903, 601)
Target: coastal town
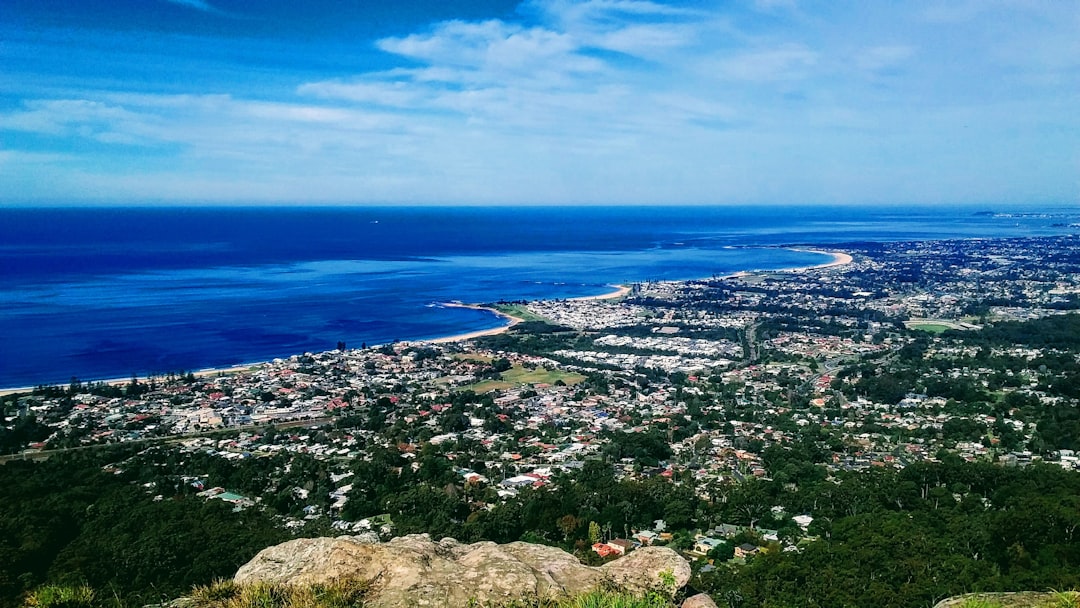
point(901, 353)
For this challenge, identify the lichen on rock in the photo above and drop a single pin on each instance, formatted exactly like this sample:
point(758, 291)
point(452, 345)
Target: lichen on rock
point(416, 571)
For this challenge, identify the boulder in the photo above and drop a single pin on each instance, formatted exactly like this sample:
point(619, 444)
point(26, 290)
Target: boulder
point(416, 571)
point(659, 562)
point(699, 601)
point(1017, 599)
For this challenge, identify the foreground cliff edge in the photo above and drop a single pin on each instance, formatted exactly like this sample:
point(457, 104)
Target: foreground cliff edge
point(416, 571)
point(1019, 599)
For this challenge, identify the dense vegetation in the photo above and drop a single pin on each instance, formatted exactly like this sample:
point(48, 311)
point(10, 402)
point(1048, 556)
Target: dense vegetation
point(68, 521)
point(912, 537)
point(128, 523)
point(339, 594)
point(903, 538)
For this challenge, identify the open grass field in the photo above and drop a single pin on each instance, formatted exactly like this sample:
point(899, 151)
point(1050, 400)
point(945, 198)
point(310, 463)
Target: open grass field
point(934, 328)
point(474, 357)
point(518, 375)
point(518, 310)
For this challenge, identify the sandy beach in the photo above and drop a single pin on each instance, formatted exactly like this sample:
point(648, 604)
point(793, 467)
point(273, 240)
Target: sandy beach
point(839, 259)
point(620, 291)
point(202, 373)
point(477, 334)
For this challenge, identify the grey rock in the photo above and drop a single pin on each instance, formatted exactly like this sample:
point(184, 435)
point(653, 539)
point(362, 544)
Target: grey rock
point(699, 601)
point(627, 571)
point(1018, 599)
point(415, 571)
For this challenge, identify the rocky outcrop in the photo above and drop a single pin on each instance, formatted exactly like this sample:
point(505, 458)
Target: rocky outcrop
point(1019, 599)
point(699, 601)
point(416, 571)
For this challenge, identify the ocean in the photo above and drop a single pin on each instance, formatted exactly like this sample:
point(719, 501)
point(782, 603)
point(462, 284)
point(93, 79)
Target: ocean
point(112, 292)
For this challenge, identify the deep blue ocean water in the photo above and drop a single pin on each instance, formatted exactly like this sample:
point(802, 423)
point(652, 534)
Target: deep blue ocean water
point(110, 292)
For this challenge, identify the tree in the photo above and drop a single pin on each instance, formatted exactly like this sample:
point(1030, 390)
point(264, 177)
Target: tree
point(722, 552)
point(568, 524)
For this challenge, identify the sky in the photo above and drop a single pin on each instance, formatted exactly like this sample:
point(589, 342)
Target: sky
point(539, 102)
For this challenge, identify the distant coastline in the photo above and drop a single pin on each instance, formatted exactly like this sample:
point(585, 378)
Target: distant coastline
point(105, 295)
point(620, 291)
point(202, 373)
point(475, 334)
point(838, 259)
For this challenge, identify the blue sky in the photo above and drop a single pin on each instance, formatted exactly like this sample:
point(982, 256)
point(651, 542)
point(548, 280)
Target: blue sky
point(541, 101)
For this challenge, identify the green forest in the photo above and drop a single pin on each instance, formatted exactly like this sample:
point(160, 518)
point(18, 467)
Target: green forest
point(880, 538)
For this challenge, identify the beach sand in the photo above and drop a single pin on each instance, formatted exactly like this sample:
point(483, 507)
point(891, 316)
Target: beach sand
point(202, 373)
point(839, 259)
point(620, 291)
point(477, 334)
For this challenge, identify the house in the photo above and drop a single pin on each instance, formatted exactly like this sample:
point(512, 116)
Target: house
point(727, 530)
point(705, 544)
point(745, 550)
point(621, 545)
point(646, 537)
point(518, 481)
point(603, 549)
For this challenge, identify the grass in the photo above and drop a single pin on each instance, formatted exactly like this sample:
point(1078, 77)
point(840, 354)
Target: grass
point(595, 599)
point(520, 311)
point(474, 357)
point(934, 328)
point(344, 593)
point(978, 602)
point(57, 596)
point(518, 375)
point(1064, 599)
point(351, 593)
point(1057, 599)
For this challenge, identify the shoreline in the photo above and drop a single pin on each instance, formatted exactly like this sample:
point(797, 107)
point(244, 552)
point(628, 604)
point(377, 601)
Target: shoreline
point(839, 259)
point(202, 373)
point(494, 331)
point(620, 291)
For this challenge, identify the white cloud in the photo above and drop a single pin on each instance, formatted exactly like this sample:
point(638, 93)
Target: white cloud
point(401, 94)
point(786, 62)
point(568, 13)
point(648, 40)
point(493, 44)
point(201, 5)
point(879, 58)
point(775, 5)
point(601, 100)
point(82, 117)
